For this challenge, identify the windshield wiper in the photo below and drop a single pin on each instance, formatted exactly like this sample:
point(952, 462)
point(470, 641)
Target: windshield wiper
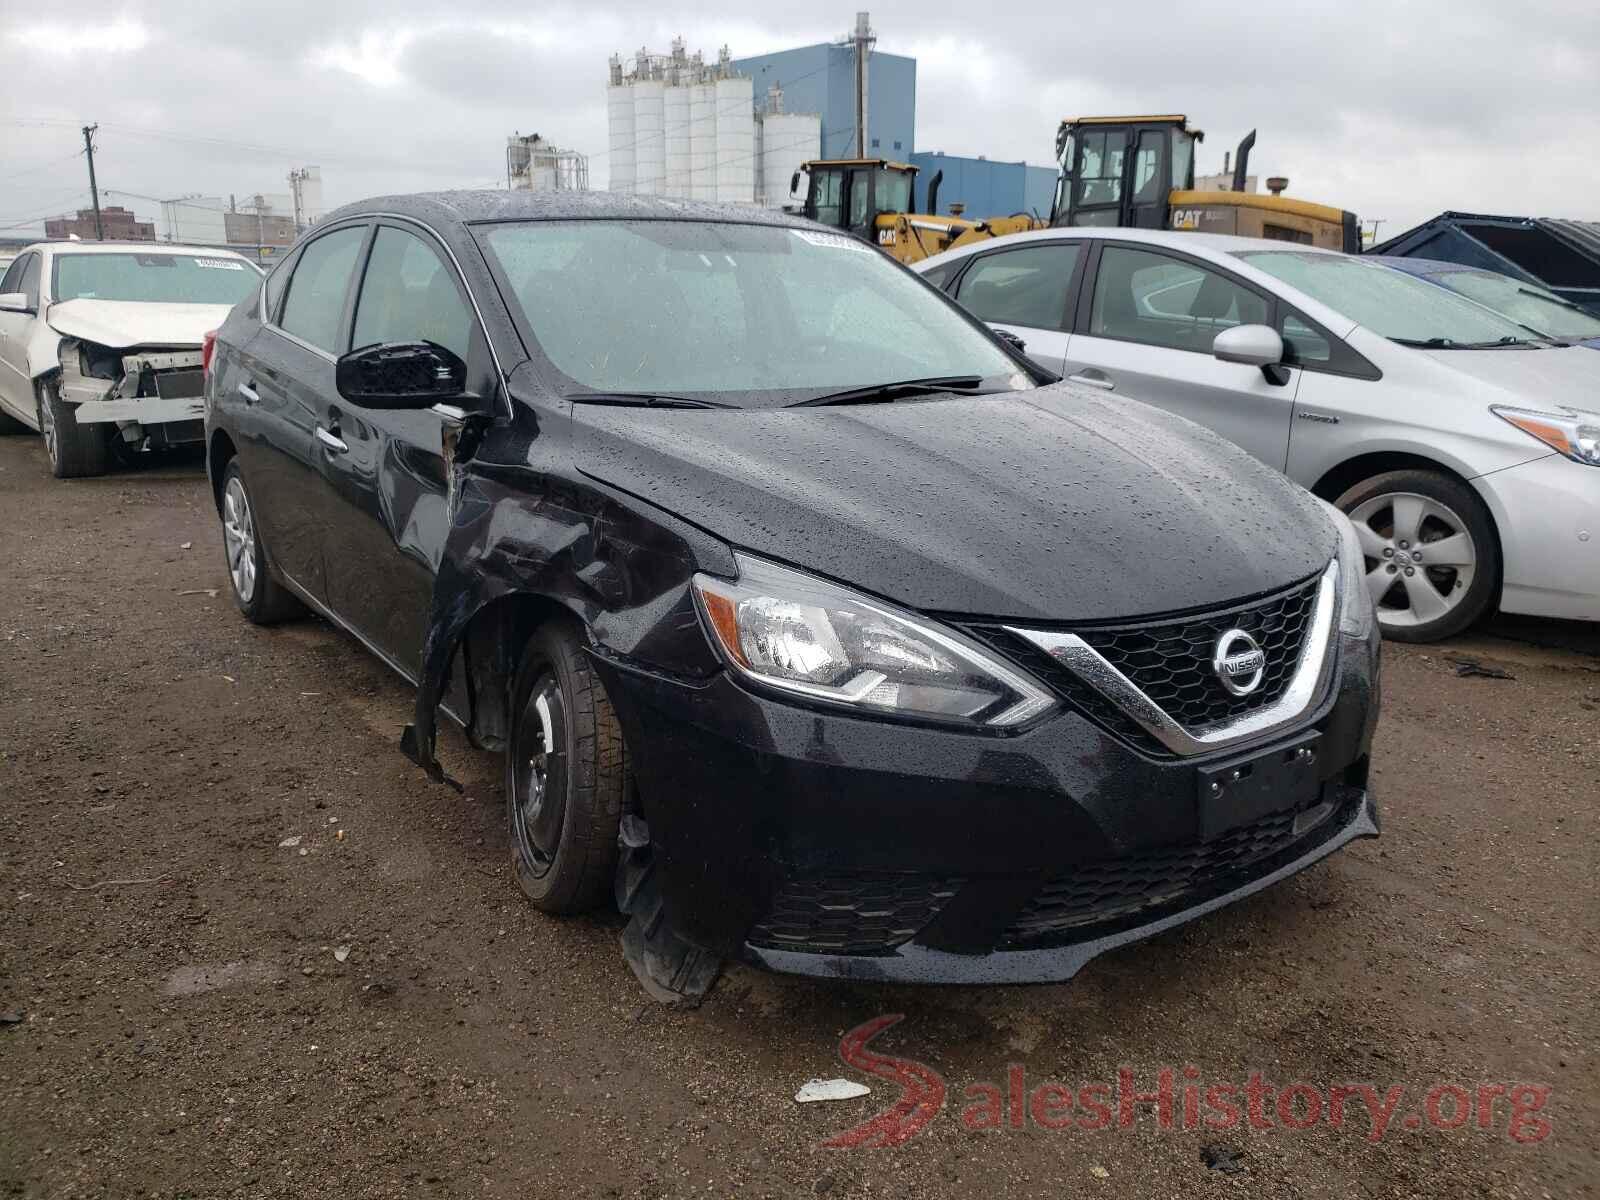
point(879, 393)
point(1434, 343)
point(642, 400)
point(1553, 299)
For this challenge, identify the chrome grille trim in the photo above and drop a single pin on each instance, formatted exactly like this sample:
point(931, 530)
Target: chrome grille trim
point(1316, 662)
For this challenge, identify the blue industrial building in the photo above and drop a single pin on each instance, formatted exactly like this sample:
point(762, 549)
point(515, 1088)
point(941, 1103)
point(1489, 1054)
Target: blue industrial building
point(984, 187)
point(822, 79)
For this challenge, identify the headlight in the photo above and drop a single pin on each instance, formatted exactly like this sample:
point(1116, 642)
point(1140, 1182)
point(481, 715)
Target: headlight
point(1571, 431)
point(1355, 601)
point(800, 634)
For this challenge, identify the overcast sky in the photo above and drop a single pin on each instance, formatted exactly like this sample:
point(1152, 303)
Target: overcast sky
point(1395, 110)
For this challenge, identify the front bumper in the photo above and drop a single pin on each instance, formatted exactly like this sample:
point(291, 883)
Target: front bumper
point(823, 844)
point(148, 410)
point(1548, 515)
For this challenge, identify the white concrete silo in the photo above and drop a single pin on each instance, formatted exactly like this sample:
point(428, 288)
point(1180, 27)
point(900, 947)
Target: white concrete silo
point(787, 140)
point(703, 141)
point(675, 115)
point(736, 154)
point(619, 121)
point(650, 148)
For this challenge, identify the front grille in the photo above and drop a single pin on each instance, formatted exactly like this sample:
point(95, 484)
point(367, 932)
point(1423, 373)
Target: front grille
point(1115, 890)
point(852, 914)
point(1170, 661)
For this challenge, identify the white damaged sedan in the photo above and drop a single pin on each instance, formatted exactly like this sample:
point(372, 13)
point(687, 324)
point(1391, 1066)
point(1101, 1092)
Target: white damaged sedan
point(102, 342)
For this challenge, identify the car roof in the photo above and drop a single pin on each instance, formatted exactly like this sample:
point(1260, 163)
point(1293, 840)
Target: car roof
point(57, 245)
point(1218, 247)
point(1423, 266)
point(519, 205)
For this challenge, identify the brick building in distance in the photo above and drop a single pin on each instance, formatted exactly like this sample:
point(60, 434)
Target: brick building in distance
point(118, 223)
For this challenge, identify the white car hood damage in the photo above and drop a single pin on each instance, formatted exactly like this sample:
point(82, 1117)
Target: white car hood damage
point(121, 323)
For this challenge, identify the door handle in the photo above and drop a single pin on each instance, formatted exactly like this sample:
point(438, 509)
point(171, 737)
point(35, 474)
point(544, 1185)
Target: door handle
point(1096, 380)
point(251, 396)
point(331, 440)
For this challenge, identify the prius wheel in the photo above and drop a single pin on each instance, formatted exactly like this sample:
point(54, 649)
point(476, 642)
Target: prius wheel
point(74, 450)
point(566, 775)
point(1432, 560)
point(260, 597)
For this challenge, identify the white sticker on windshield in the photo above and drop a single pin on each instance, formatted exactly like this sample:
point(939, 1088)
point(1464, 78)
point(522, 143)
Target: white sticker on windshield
point(220, 264)
point(834, 241)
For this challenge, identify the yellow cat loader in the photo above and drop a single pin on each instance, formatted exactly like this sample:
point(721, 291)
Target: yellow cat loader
point(871, 198)
point(1138, 172)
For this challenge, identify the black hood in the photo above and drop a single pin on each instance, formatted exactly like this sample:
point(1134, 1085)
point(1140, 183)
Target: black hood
point(1048, 505)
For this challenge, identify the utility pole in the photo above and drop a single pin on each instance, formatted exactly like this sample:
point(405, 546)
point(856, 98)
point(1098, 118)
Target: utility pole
point(297, 177)
point(864, 39)
point(94, 190)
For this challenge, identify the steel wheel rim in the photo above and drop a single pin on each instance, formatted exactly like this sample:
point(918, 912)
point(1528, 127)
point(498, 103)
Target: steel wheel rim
point(539, 776)
point(47, 426)
point(1420, 557)
point(239, 539)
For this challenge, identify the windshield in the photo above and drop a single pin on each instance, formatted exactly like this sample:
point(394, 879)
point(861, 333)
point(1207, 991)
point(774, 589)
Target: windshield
point(1532, 306)
point(1387, 301)
point(894, 191)
point(747, 315)
point(168, 278)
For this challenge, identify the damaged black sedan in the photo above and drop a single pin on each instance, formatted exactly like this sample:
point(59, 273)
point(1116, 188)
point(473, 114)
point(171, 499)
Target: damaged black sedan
point(816, 627)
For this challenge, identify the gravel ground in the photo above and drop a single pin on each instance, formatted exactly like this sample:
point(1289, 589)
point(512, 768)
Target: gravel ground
point(249, 950)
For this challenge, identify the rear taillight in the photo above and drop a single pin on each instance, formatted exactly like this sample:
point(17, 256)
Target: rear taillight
point(208, 347)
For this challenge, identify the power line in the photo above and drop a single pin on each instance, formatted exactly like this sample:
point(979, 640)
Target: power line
point(39, 167)
point(53, 211)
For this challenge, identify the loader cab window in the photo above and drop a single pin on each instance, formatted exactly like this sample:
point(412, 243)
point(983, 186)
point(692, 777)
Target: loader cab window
point(1182, 162)
point(1100, 167)
point(828, 190)
point(1147, 169)
point(894, 191)
point(860, 200)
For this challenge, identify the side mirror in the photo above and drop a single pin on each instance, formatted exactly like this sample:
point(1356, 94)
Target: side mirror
point(794, 183)
point(400, 375)
point(1253, 345)
point(16, 302)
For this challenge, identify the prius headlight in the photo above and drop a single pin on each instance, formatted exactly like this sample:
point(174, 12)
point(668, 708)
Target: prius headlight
point(800, 634)
point(1355, 601)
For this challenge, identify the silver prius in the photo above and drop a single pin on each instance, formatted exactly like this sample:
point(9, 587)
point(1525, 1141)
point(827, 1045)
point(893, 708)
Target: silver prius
point(1465, 450)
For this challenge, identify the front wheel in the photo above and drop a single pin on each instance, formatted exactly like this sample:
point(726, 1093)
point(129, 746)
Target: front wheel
point(75, 451)
point(566, 775)
point(1432, 561)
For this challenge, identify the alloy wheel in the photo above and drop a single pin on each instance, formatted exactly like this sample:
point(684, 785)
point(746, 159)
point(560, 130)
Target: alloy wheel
point(239, 539)
point(47, 427)
point(1420, 557)
point(539, 776)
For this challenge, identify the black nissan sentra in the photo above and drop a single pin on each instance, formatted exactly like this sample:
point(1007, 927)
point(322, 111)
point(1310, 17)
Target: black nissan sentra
point(817, 628)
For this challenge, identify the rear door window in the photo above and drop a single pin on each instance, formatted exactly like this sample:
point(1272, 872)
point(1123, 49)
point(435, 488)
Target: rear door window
point(314, 307)
point(276, 282)
point(12, 282)
point(1026, 286)
point(29, 286)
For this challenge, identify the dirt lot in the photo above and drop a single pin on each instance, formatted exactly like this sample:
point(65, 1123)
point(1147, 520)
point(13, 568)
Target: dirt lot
point(178, 1022)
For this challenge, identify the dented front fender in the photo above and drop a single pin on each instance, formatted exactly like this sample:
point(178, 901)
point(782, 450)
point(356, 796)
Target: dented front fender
point(529, 533)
